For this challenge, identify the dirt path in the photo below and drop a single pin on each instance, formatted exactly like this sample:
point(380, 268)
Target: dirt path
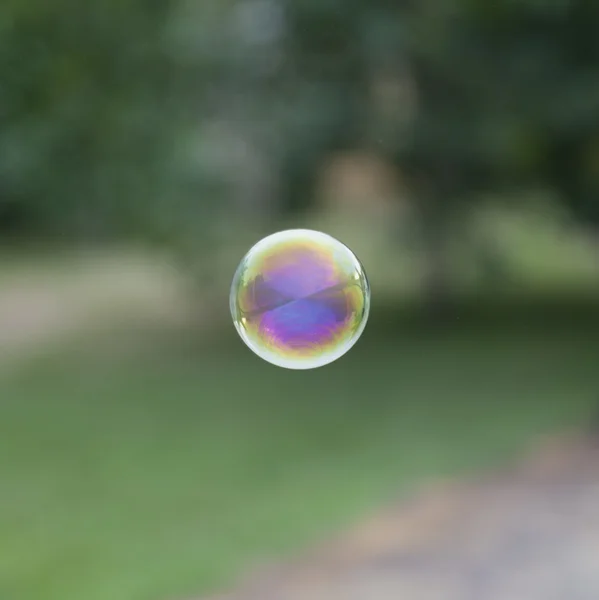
point(39, 307)
point(528, 533)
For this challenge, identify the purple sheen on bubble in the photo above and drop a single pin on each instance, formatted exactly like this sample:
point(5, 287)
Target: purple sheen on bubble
point(301, 324)
point(302, 274)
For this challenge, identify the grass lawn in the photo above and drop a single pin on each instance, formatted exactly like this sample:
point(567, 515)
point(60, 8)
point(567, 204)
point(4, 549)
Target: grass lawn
point(163, 471)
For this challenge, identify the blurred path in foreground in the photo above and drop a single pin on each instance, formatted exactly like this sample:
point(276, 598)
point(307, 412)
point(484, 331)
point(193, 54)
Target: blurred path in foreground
point(42, 304)
point(526, 533)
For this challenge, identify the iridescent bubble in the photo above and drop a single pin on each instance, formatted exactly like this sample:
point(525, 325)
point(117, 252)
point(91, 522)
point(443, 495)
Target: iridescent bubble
point(300, 299)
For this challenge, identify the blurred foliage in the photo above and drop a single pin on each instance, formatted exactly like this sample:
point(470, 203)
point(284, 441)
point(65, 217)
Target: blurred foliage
point(495, 95)
point(82, 112)
point(159, 118)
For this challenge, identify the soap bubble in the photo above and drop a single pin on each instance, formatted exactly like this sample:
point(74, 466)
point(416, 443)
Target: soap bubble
point(300, 299)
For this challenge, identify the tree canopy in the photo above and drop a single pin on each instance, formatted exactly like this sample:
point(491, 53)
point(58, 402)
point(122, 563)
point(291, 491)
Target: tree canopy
point(139, 115)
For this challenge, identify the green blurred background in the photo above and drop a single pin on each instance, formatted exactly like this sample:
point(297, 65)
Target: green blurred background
point(145, 453)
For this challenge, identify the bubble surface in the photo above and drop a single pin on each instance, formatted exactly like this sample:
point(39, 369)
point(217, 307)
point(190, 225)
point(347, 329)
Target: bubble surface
point(300, 299)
